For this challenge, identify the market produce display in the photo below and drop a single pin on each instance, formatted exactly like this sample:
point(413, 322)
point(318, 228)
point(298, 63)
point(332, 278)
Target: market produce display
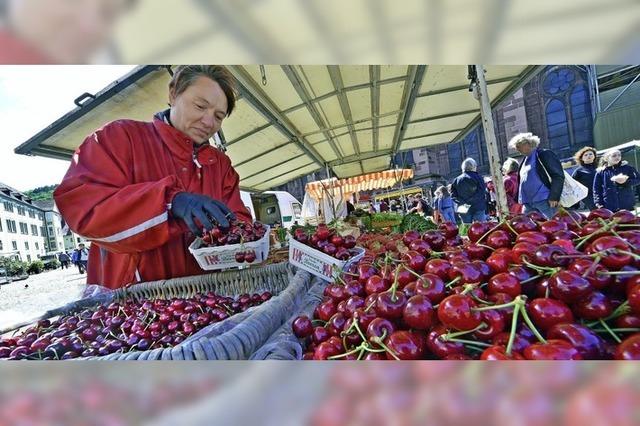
point(524, 288)
point(124, 327)
point(327, 240)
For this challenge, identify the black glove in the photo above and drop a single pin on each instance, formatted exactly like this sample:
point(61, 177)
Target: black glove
point(188, 206)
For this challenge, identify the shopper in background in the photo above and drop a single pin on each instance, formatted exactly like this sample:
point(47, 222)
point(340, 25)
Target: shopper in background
point(540, 173)
point(510, 172)
point(384, 207)
point(470, 193)
point(585, 174)
point(443, 205)
point(613, 185)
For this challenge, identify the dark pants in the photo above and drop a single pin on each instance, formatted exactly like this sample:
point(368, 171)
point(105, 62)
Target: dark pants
point(82, 266)
point(65, 264)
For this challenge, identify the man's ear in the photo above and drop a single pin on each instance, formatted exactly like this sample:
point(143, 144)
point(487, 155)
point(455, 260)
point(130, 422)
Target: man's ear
point(172, 96)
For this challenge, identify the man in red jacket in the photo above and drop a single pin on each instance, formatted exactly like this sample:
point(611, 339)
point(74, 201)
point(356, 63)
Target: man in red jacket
point(140, 191)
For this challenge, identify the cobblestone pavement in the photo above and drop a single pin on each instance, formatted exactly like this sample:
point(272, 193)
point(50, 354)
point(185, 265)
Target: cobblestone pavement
point(45, 291)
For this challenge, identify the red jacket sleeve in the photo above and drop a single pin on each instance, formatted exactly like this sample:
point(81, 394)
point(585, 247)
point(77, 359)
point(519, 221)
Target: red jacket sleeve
point(231, 195)
point(99, 200)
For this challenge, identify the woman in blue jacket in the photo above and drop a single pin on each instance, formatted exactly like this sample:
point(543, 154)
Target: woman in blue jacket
point(613, 186)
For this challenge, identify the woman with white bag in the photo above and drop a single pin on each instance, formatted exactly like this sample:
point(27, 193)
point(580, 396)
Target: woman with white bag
point(613, 186)
point(541, 176)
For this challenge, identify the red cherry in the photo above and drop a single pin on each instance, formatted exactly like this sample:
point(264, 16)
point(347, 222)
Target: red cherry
point(431, 286)
point(499, 353)
point(504, 282)
point(390, 305)
point(405, 345)
point(546, 312)
point(450, 230)
point(436, 239)
point(418, 313)
point(498, 239)
point(598, 281)
point(478, 229)
point(569, 286)
point(594, 306)
point(613, 261)
point(553, 350)
point(420, 246)
point(414, 260)
point(441, 348)
point(552, 226)
point(302, 327)
point(499, 262)
point(600, 213)
point(494, 321)
point(519, 342)
point(629, 349)
point(588, 343)
point(438, 267)
point(456, 311)
point(379, 328)
point(533, 237)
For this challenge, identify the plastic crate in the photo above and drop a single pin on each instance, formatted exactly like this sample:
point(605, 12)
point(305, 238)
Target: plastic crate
point(223, 257)
point(316, 262)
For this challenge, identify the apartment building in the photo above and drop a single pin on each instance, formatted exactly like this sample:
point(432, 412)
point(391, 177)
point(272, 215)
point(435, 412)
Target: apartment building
point(22, 226)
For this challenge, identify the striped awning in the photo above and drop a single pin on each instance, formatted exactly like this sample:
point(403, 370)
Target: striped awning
point(368, 182)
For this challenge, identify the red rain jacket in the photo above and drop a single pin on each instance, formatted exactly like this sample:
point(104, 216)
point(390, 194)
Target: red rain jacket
point(116, 194)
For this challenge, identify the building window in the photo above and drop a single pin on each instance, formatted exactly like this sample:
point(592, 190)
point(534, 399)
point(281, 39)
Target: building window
point(28, 258)
point(26, 245)
point(581, 116)
point(14, 244)
point(37, 246)
point(40, 216)
point(0, 226)
point(32, 214)
point(8, 206)
point(21, 211)
point(11, 226)
point(24, 228)
point(42, 231)
point(1, 246)
point(34, 230)
point(557, 125)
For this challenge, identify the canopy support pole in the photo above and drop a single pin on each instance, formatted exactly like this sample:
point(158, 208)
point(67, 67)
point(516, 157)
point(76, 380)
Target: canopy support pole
point(502, 208)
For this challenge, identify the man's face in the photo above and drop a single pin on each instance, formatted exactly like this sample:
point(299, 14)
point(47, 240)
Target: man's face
point(525, 148)
point(68, 31)
point(199, 110)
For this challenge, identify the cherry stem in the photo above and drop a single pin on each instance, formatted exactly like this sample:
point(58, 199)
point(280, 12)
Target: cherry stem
point(574, 256)
point(477, 299)
point(538, 268)
point(528, 321)
point(468, 288)
point(610, 331)
point(452, 282)
point(506, 222)
point(379, 341)
point(370, 306)
point(593, 266)
point(468, 342)
point(362, 336)
point(571, 216)
point(623, 309)
point(490, 231)
point(514, 326)
point(528, 280)
point(347, 353)
point(619, 330)
point(461, 333)
point(414, 273)
point(628, 253)
point(501, 306)
point(619, 273)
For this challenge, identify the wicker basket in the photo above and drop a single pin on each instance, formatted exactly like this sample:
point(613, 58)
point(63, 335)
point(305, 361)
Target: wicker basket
point(238, 336)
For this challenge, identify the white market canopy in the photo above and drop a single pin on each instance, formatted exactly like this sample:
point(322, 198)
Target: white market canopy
point(371, 181)
point(353, 118)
